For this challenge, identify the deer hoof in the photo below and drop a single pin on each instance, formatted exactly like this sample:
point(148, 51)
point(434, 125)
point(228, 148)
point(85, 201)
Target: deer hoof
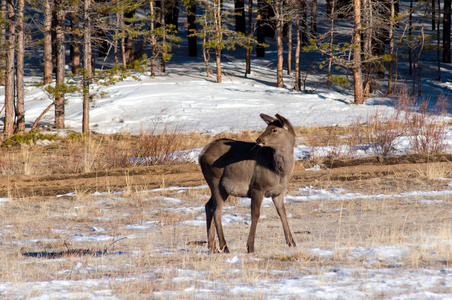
point(224, 250)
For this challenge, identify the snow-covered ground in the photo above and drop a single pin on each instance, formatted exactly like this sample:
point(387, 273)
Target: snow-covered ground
point(380, 271)
point(187, 101)
point(191, 102)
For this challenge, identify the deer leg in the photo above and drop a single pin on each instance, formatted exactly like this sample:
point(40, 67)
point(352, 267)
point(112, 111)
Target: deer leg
point(256, 202)
point(279, 204)
point(210, 208)
point(217, 200)
point(217, 217)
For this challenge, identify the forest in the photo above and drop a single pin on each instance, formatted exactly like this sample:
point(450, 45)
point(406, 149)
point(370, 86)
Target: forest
point(104, 41)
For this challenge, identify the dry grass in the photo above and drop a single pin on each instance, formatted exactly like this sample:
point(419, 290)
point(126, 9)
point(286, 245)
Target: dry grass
point(79, 153)
point(48, 240)
point(434, 171)
point(137, 245)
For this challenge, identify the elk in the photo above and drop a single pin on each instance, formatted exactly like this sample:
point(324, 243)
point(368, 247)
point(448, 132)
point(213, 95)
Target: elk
point(254, 170)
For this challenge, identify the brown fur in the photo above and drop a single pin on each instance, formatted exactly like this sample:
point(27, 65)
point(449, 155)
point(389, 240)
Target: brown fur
point(254, 170)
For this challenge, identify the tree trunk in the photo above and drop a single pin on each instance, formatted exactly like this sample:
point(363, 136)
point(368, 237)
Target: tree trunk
point(60, 64)
point(3, 14)
point(75, 45)
point(153, 37)
point(367, 45)
point(391, 50)
point(419, 69)
point(20, 105)
point(191, 20)
point(330, 60)
point(289, 47)
point(356, 69)
point(218, 63)
point(438, 42)
point(219, 36)
point(240, 22)
point(8, 128)
point(304, 23)
point(314, 19)
point(298, 48)
point(87, 74)
point(410, 28)
point(446, 31)
point(279, 44)
point(163, 27)
point(129, 40)
point(47, 32)
point(249, 32)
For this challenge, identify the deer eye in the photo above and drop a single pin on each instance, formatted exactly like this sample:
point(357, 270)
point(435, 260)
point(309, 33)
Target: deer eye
point(275, 130)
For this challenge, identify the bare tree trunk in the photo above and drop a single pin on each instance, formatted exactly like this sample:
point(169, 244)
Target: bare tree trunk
point(446, 31)
point(123, 51)
point(123, 41)
point(391, 50)
point(205, 50)
point(314, 19)
point(3, 14)
point(249, 32)
point(279, 44)
point(419, 90)
point(60, 64)
point(367, 45)
point(8, 128)
point(153, 37)
point(218, 63)
point(219, 34)
point(47, 32)
point(20, 105)
point(298, 47)
point(410, 28)
point(75, 44)
point(87, 74)
point(163, 26)
point(289, 47)
point(304, 23)
point(35, 123)
point(115, 42)
point(330, 60)
point(356, 69)
point(129, 40)
point(438, 42)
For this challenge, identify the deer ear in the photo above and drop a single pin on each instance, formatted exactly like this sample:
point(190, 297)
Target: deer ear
point(284, 122)
point(267, 119)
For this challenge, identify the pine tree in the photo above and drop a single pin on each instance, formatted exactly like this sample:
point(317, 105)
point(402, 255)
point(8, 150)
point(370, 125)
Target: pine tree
point(8, 128)
point(20, 43)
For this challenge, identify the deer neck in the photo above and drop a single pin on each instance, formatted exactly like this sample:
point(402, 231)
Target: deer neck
point(283, 160)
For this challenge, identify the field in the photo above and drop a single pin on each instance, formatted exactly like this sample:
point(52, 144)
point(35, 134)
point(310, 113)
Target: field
point(364, 228)
point(119, 213)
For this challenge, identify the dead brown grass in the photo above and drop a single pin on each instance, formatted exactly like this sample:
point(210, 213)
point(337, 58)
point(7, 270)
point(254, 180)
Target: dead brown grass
point(48, 239)
point(138, 245)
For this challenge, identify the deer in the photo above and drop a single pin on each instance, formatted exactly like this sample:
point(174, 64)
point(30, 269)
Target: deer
point(253, 170)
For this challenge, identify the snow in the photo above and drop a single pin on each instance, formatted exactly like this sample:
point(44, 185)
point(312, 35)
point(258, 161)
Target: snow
point(178, 101)
point(382, 270)
point(193, 103)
